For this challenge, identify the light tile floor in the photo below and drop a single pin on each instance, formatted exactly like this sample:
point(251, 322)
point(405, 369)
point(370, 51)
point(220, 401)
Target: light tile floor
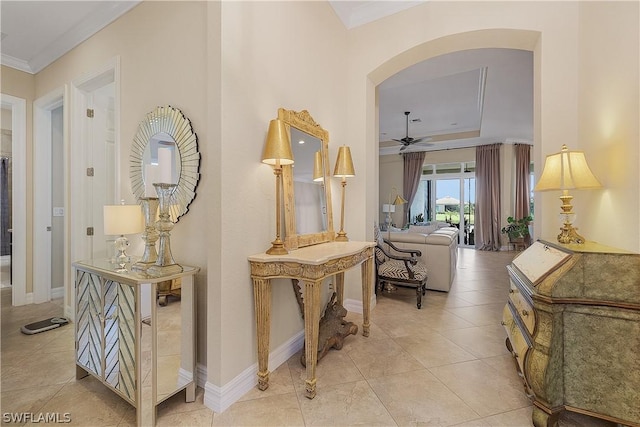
point(443, 365)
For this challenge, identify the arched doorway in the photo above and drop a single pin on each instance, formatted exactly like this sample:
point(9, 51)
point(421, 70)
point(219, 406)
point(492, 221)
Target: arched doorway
point(490, 38)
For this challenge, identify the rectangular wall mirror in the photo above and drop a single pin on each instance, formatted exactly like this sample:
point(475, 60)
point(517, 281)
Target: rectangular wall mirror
point(307, 190)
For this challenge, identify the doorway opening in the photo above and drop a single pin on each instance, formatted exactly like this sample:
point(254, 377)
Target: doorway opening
point(14, 115)
point(49, 226)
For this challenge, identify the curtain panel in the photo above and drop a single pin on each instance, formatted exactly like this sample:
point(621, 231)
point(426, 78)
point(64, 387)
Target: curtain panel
point(413, 163)
point(488, 197)
point(523, 189)
point(523, 161)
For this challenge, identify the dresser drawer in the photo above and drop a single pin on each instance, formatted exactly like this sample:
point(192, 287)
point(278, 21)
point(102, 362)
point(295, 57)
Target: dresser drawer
point(523, 307)
point(518, 337)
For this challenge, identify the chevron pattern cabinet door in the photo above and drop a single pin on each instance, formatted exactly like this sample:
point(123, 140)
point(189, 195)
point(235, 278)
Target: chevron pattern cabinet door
point(127, 340)
point(88, 318)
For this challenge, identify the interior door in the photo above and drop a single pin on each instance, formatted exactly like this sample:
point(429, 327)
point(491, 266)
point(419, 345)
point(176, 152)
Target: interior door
point(101, 166)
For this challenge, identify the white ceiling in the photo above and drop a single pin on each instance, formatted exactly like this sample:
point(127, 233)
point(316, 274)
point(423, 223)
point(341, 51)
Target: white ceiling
point(36, 33)
point(462, 99)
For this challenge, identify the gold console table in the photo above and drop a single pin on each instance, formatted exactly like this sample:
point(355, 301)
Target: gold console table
point(310, 265)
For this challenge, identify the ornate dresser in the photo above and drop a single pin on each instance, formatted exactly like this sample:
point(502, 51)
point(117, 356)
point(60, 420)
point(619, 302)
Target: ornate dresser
point(573, 326)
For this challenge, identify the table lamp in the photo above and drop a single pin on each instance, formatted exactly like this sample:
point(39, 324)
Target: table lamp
point(388, 208)
point(277, 152)
point(567, 170)
point(344, 169)
point(121, 220)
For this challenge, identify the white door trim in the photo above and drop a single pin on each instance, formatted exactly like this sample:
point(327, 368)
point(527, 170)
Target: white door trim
point(18, 107)
point(80, 89)
point(42, 141)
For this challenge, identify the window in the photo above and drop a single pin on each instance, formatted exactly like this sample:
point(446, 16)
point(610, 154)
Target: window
point(446, 193)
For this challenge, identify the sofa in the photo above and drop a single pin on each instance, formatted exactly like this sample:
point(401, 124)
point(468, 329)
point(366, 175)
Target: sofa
point(438, 243)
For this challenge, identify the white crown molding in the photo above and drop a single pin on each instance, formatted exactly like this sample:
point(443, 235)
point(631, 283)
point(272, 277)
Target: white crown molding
point(78, 34)
point(16, 63)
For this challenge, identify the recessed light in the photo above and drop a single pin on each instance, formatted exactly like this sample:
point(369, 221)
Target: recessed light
point(301, 141)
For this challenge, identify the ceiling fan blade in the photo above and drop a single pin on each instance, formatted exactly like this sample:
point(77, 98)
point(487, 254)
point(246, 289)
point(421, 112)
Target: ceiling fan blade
point(426, 138)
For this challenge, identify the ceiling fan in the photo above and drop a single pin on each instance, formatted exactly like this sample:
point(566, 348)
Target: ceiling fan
point(407, 140)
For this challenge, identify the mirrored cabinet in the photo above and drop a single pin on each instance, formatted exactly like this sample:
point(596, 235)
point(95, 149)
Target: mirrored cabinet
point(143, 351)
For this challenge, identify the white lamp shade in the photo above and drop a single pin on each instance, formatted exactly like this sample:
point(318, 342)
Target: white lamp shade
point(123, 219)
point(386, 208)
point(566, 170)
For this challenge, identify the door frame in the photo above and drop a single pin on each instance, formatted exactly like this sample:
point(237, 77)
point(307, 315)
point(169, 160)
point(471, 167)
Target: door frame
point(80, 91)
point(42, 169)
point(18, 107)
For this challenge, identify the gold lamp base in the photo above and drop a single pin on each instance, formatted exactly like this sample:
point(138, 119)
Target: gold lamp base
point(568, 233)
point(342, 237)
point(277, 248)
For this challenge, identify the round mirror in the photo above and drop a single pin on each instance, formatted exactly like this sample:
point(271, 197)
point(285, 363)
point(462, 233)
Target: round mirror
point(165, 150)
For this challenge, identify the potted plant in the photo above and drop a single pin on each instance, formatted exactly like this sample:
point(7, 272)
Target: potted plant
point(517, 229)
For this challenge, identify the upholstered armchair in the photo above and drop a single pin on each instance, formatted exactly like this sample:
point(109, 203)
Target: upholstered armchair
point(399, 267)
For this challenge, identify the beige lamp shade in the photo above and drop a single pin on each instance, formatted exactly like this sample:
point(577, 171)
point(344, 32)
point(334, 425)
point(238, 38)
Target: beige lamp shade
point(318, 175)
point(566, 170)
point(277, 149)
point(344, 164)
point(123, 219)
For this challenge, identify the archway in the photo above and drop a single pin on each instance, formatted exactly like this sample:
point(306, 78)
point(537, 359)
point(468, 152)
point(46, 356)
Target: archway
point(490, 38)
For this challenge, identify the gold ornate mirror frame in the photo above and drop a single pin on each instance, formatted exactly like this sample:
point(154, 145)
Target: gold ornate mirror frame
point(304, 122)
point(169, 120)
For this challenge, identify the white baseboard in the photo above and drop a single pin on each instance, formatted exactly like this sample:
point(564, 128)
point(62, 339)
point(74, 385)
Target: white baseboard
point(57, 292)
point(355, 305)
point(69, 313)
point(219, 398)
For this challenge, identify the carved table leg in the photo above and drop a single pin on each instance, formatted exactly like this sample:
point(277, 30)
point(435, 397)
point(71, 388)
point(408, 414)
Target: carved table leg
point(262, 301)
point(340, 287)
point(366, 295)
point(311, 328)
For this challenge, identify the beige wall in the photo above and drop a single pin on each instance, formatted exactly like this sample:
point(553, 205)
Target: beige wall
point(609, 125)
point(22, 85)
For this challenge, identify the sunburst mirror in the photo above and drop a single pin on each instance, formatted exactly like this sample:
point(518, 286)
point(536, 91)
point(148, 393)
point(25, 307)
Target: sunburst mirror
point(165, 149)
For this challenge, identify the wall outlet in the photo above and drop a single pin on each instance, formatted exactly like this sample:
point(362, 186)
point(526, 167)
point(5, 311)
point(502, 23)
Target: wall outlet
point(58, 211)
